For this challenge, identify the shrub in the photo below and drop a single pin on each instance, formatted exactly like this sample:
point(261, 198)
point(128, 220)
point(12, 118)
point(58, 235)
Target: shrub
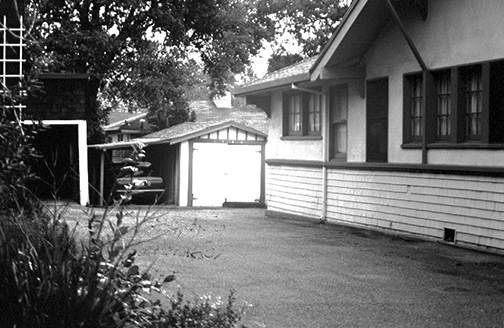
point(52, 278)
point(52, 281)
point(16, 155)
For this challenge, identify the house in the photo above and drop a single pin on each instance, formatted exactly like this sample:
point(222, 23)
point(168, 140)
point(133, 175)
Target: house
point(125, 126)
point(61, 109)
point(219, 159)
point(396, 125)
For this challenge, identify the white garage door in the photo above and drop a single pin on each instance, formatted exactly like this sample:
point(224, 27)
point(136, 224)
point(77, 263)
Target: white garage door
point(225, 172)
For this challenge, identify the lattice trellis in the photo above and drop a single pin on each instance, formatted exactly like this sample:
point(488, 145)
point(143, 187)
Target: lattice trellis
point(12, 51)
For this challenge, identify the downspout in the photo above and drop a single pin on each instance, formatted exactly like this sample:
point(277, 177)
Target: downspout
point(325, 137)
point(425, 72)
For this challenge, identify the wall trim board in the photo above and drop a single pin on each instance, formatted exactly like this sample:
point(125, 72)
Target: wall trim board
point(484, 171)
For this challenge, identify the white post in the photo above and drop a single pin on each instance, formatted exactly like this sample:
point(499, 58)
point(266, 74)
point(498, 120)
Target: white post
point(83, 163)
point(102, 176)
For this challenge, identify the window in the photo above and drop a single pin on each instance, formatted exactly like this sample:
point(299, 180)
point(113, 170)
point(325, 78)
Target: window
point(119, 155)
point(338, 104)
point(414, 100)
point(464, 106)
point(314, 110)
point(377, 120)
point(443, 87)
point(302, 114)
point(473, 97)
point(295, 109)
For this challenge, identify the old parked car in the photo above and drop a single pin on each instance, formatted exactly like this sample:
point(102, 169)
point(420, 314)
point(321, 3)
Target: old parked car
point(138, 182)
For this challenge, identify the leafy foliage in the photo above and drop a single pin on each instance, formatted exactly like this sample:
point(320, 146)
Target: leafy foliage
point(157, 80)
point(278, 61)
point(310, 23)
point(104, 38)
point(16, 153)
point(50, 280)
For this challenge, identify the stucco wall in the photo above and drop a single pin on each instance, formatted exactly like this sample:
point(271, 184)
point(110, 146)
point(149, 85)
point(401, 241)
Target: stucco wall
point(468, 34)
point(288, 149)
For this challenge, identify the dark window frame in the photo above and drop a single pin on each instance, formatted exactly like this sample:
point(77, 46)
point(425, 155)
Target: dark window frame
point(486, 119)
point(314, 114)
point(444, 111)
point(305, 131)
point(335, 124)
point(413, 115)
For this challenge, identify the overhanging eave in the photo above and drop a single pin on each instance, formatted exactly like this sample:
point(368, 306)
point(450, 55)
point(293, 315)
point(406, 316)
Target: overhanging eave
point(267, 86)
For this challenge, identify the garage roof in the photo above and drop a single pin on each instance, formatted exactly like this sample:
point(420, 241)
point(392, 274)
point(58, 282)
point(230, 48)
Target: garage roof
point(179, 133)
point(191, 130)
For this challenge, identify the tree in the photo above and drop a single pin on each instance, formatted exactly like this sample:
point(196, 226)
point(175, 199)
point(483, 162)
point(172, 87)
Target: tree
point(156, 79)
point(104, 37)
point(281, 60)
point(310, 23)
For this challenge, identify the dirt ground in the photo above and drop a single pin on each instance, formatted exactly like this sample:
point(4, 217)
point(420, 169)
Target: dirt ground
point(290, 273)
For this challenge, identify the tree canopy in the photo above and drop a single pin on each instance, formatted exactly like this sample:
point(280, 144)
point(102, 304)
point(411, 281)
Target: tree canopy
point(140, 48)
point(309, 23)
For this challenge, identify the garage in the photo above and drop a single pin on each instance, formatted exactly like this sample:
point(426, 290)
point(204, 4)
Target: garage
point(225, 173)
point(210, 163)
point(225, 165)
point(204, 163)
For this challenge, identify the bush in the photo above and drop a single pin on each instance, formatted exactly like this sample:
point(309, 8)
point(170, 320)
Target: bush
point(16, 156)
point(50, 280)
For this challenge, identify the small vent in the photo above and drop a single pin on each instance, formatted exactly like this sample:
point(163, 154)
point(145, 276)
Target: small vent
point(449, 235)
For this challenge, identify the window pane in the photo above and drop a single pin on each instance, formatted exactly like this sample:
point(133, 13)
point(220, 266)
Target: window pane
point(444, 104)
point(295, 113)
point(314, 113)
point(340, 135)
point(474, 102)
point(416, 106)
point(338, 103)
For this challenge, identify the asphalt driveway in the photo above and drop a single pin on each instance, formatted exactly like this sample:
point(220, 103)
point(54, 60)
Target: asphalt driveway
point(303, 274)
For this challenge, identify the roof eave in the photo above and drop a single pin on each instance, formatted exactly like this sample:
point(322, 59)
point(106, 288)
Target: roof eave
point(333, 36)
point(215, 128)
point(128, 144)
point(267, 86)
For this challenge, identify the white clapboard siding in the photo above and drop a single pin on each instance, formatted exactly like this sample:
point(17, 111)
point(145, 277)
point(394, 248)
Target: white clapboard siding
point(294, 190)
point(423, 204)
